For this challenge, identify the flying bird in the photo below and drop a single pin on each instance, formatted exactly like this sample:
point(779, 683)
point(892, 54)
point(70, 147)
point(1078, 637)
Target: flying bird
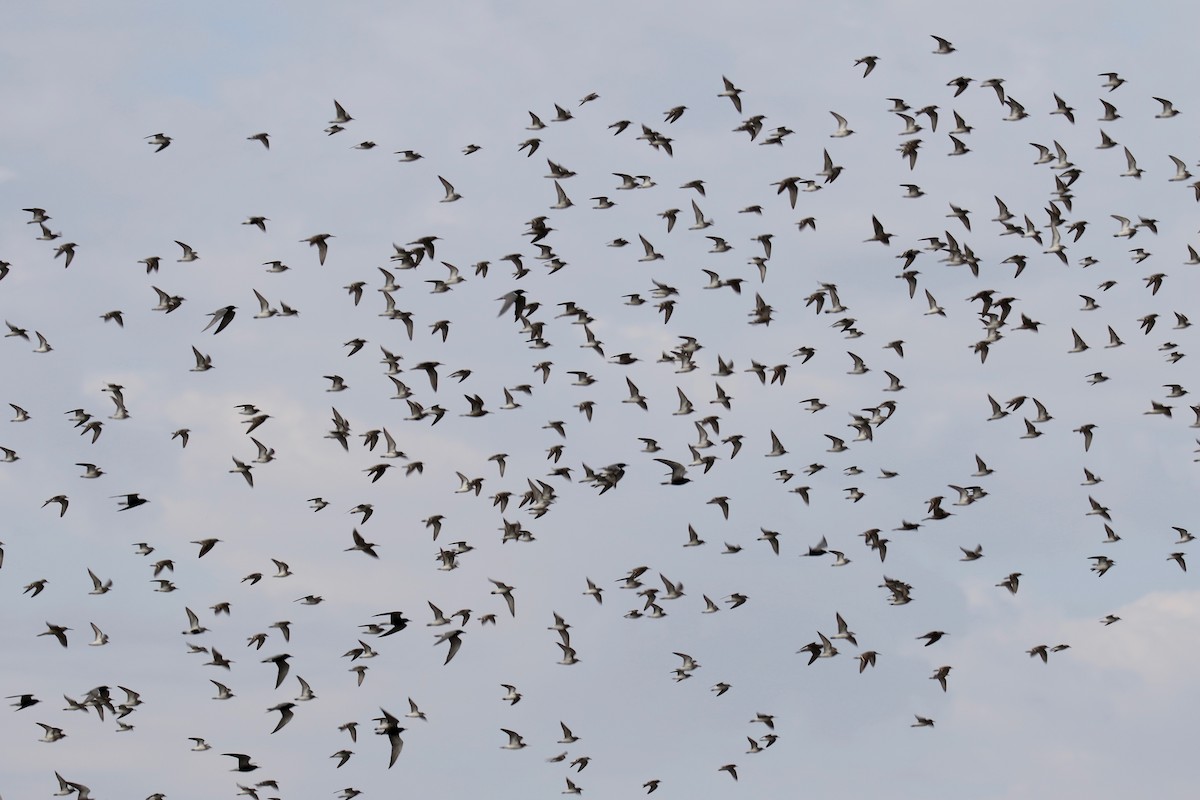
point(451, 195)
point(160, 141)
point(321, 242)
point(943, 46)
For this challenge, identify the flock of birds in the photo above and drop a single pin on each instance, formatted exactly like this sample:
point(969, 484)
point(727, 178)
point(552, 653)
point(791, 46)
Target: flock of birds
point(695, 437)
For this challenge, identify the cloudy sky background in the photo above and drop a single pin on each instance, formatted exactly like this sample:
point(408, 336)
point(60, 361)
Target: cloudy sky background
point(88, 84)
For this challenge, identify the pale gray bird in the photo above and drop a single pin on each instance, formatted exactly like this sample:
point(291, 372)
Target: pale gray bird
point(515, 740)
point(1168, 109)
point(452, 195)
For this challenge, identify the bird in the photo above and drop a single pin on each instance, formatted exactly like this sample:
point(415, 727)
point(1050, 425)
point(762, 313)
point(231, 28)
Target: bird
point(59, 632)
point(50, 733)
point(60, 499)
point(451, 195)
point(880, 235)
point(66, 250)
point(678, 472)
point(1133, 171)
point(285, 714)
point(1012, 582)
point(932, 637)
point(1168, 109)
point(515, 741)
point(397, 623)
point(203, 364)
point(160, 141)
point(934, 308)
point(506, 592)
point(221, 318)
point(244, 764)
point(1087, 432)
point(189, 255)
point(972, 555)
point(321, 242)
point(99, 586)
point(733, 93)
point(340, 115)
point(23, 701)
point(362, 545)
point(868, 63)
point(651, 254)
point(244, 469)
point(454, 637)
point(281, 667)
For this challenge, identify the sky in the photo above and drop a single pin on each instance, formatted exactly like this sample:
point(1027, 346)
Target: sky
point(91, 86)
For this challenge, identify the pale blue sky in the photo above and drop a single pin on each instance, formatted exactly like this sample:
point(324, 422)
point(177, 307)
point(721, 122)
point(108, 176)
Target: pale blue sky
point(88, 84)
